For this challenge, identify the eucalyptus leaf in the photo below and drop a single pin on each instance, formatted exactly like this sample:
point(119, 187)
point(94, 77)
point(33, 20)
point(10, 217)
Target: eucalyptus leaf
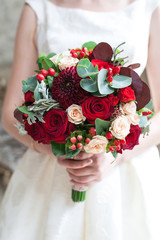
point(86, 69)
point(29, 84)
point(143, 122)
point(150, 105)
point(58, 149)
point(101, 126)
point(103, 85)
point(89, 85)
point(89, 45)
point(120, 81)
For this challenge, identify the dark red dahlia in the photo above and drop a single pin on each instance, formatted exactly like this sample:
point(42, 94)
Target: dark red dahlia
point(66, 88)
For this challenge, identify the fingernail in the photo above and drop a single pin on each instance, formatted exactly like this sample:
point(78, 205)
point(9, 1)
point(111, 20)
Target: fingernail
point(90, 161)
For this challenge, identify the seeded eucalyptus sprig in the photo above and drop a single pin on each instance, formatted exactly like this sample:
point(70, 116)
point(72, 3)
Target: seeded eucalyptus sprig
point(116, 52)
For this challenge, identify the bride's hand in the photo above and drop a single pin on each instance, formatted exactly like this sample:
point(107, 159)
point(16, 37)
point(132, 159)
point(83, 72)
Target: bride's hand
point(88, 169)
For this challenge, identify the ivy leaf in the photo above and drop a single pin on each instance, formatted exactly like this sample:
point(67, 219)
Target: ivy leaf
point(89, 85)
point(86, 69)
point(29, 84)
point(47, 64)
point(103, 86)
point(89, 45)
point(101, 126)
point(120, 81)
point(58, 149)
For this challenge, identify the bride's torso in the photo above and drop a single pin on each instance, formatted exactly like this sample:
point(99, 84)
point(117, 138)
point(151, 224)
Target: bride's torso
point(60, 28)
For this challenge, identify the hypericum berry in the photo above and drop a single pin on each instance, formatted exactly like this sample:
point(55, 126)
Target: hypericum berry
point(118, 147)
point(82, 55)
point(73, 139)
point(79, 145)
point(25, 115)
point(110, 79)
point(116, 142)
point(88, 140)
point(72, 51)
point(109, 135)
point(79, 137)
point(92, 131)
point(146, 113)
point(73, 147)
point(40, 77)
point(122, 141)
point(116, 70)
point(74, 55)
point(51, 72)
point(84, 49)
point(44, 72)
point(111, 149)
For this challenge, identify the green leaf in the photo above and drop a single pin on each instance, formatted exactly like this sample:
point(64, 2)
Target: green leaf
point(97, 94)
point(101, 126)
point(89, 85)
point(89, 45)
point(51, 55)
point(71, 153)
point(50, 81)
point(23, 109)
point(103, 86)
point(86, 69)
point(114, 154)
point(47, 64)
point(39, 61)
point(30, 84)
point(120, 81)
point(60, 57)
point(37, 94)
point(58, 149)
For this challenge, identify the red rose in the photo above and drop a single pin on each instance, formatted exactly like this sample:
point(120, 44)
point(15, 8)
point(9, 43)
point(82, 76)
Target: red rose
point(36, 131)
point(95, 107)
point(133, 137)
point(113, 99)
point(126, 94)
point(28, 96)
point(56, 125)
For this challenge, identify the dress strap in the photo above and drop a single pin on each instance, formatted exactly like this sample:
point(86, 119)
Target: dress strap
point(152, 5)
point(38, 7)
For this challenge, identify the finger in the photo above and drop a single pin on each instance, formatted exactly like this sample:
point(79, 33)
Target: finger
point(82, 156)
point(89, 170)
point(69, 163)
point(82, 179)
point(74, 183)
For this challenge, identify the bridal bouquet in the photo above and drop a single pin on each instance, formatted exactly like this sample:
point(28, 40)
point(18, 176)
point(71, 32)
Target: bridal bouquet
point(84, 99)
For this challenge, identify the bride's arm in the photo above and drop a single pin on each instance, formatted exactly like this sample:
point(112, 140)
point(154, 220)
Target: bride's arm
point(153, 72)
point(24, 64)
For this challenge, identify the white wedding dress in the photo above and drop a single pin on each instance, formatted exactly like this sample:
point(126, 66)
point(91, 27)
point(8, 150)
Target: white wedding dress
point(126, 204)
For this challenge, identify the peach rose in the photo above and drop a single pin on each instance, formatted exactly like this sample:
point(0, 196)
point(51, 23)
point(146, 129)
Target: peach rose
point(75, 114)
point(66, 61)
point(97, 145)
point(134, 118)
point(120, 127)
point(129, 108)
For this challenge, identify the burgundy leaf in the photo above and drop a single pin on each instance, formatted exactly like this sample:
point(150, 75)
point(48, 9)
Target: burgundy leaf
point(103, 52)
point(18, 115)
point(134, 66)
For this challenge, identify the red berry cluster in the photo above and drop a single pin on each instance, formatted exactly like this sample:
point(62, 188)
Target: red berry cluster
point(80, 53)
point(44, 73)
point(112, 71)
point(146, 113)
point(77, 144)
point(115, 144)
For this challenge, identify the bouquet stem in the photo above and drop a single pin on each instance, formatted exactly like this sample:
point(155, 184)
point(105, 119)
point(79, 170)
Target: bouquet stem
point(78, 196)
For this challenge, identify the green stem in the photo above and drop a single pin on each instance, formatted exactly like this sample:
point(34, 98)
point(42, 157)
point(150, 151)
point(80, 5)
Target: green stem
point(78, 196)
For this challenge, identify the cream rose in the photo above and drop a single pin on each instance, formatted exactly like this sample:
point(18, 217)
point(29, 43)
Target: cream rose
point(66, 61)
point(134, 118)
point(120, 127)
point(129, 108)
point(97, 145)
point(75, 114)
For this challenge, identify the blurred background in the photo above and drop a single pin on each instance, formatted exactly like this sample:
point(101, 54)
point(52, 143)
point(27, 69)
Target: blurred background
point(10, 150)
